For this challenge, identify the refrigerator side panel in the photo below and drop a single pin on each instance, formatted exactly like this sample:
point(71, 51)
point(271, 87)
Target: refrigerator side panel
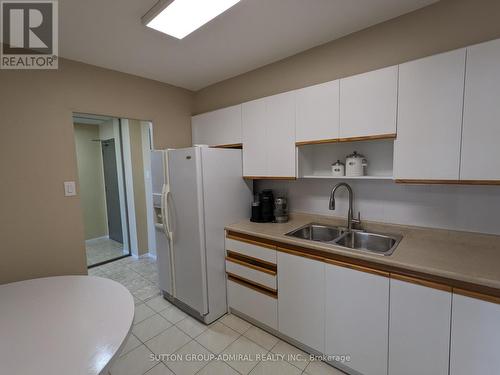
point(227, 200)
point(157, 175)
point(185, 209)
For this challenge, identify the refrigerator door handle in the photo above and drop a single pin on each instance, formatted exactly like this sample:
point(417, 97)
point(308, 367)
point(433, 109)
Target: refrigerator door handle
point(164, 211)
point(168, 227)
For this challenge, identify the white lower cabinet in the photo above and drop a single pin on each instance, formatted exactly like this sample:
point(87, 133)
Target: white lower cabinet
point(301, 312)
point(419, 329)
point(357, 318)
point(475, 337)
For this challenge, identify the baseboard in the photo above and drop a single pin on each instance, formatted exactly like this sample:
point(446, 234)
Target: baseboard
point(98, 238)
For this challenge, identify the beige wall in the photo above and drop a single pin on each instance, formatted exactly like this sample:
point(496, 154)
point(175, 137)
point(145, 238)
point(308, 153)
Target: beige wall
point(91, 180)
point(443, 26)
point(41, 231)
point(139, 185)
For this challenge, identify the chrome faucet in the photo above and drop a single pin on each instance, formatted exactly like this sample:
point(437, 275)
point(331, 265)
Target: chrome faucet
point(350, 219)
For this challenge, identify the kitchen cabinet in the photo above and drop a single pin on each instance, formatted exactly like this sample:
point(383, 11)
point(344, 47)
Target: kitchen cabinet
point(419, 329)
point(475, 336)
point(301, 313)
point(218, 128)
point(357, 318)
point(317, 113)
point(368, 103)
point(269, 136)
point(481, 123)
point(430, 118)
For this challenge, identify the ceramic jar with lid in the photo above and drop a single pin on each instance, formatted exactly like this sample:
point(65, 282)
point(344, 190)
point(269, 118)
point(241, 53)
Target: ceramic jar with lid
point(355, 165)
point(338, 169)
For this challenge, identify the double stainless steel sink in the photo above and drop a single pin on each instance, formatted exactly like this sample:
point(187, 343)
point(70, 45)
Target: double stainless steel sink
point(377, 243)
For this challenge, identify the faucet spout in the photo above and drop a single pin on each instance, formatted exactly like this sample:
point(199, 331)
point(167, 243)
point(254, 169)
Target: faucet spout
point(331, 205)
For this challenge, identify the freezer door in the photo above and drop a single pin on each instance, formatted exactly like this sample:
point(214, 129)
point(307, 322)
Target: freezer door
point(185, 207)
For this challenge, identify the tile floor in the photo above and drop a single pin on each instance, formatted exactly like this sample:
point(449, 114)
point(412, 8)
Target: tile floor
point(165, 341)
point(102, 249)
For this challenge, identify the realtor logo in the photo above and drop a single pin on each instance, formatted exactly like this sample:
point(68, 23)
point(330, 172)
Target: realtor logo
point(29, 34)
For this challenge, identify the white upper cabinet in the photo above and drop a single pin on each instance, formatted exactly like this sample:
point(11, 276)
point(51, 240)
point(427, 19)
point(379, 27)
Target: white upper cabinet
point(301, 303)
point(430, 117)
point(269, 136)
point(217, 128)
point(481, 129)
point(357, 318)
point(475, 337)
point(419, 329)
point(317, 112)
point(368, 103)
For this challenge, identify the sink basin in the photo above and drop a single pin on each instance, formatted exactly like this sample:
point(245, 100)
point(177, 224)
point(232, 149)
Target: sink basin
point(376, 243)
point(317, 232)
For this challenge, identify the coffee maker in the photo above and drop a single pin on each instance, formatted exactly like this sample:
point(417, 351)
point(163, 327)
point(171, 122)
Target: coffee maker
point(263, 207)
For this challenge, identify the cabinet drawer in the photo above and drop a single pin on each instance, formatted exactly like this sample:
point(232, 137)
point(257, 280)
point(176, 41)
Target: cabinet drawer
point(255, 304)
point(262, 277)
point(266, 254)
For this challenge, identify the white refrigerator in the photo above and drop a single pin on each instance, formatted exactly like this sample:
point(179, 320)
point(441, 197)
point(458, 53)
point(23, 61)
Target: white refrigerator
point(197, 191)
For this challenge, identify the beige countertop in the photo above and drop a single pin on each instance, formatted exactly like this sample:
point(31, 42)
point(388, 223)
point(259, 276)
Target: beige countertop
point(462, 256)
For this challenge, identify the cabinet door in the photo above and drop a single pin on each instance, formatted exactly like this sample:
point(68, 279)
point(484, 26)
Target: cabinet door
point(430, 117)
point(475, 337)
point(368, 103)
point(280, 138)
point(317, 112)
point(216, 128)
point(301, 313)
point(481, 130)
point(419, 329)
point(254, 120)
point(357, 318)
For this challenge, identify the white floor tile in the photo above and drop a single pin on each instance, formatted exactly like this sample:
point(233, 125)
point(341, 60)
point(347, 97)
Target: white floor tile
point(217, 368)
point(131, 343)
point(293, 355)
point(173, 314)
point(217, 337)
point(191, 326)
point(261, 337)
point(159, 369)
point(195, 357)
point(142, 312)
point(136, 362)
point(147, 292)
point(321, 368)
point(250, 353)
point(150, 327)
point(275, 368)
point(238, 324)
point(158, 303)
point(169, 341)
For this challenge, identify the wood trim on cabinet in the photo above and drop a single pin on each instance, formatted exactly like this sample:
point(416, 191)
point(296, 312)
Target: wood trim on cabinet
point(357, 268)
point(251, 240)
point(252, 266)
point(300, 253)
point(316, 142)
point(251, 260)
point(369, 138)
point(238, 146)
point(269, 178)
point(447, 182)
point(253, 285)
point(477, 295)
point(428, 284)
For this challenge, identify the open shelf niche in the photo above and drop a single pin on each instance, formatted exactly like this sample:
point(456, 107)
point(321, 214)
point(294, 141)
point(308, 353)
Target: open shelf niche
point(315, 160)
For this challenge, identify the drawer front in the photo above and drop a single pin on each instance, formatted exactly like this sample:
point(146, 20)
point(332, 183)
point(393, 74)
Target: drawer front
point(256, 305)
point(267, 279)
point(254, 251)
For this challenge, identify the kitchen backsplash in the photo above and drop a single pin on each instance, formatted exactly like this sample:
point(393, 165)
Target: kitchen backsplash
point(468, 208)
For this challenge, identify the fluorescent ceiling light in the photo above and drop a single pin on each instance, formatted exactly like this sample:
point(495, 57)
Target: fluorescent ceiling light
point(182, 17)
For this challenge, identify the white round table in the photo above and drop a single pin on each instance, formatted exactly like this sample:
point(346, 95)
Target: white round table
point(63, 325)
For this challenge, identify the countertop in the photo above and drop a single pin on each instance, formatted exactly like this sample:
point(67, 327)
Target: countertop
point(462, 256)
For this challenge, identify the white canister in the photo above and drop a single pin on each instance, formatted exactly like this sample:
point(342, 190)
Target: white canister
point(338, 169)
point(355, 165)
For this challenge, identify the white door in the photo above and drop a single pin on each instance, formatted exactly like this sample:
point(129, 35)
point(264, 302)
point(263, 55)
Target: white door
point(357, 318)
point(254, 120)
point(475, 337)
point(430, 117)
point(217, 128)
point(185, 208)
point(481, 130)
point(317, 112)
point(368, 103)
point(280, 138)
point(301, 304)
point(419, 329)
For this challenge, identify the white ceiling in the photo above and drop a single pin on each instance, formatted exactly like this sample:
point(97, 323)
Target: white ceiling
point(253, 33)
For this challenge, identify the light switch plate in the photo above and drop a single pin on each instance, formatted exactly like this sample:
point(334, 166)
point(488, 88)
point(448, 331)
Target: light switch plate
point(69, 188)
